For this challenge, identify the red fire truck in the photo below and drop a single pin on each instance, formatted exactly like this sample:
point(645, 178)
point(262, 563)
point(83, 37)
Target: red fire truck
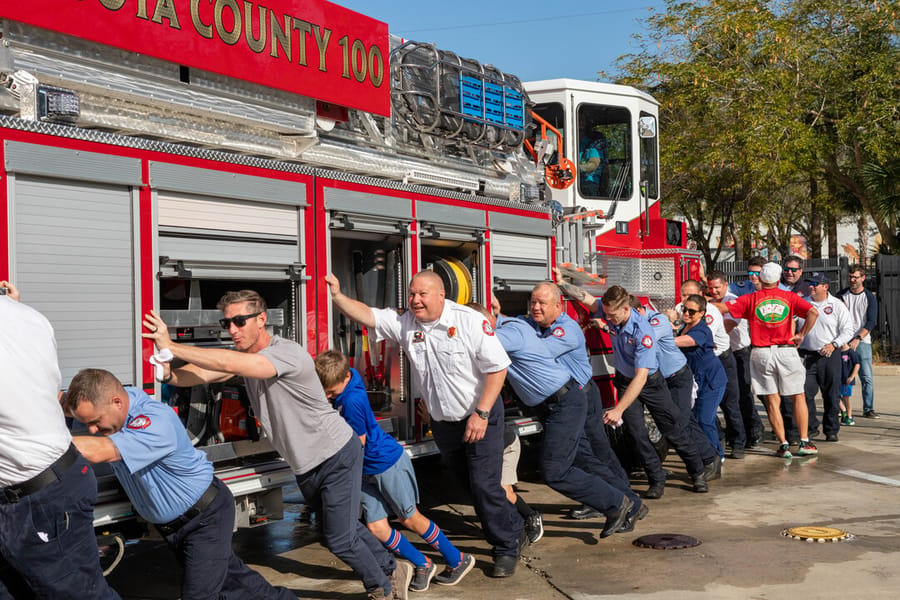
point(156, 155)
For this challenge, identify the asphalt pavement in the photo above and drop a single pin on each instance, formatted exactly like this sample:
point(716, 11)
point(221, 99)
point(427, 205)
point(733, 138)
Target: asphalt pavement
point(852, 486)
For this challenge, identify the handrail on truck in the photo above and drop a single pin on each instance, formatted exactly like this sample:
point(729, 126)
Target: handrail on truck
point(562, 174)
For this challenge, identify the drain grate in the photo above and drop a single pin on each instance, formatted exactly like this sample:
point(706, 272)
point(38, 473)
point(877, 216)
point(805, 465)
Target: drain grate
point(666, 541)
point(817, 534)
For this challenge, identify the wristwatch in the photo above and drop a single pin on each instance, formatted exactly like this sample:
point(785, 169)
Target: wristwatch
point(484, 414)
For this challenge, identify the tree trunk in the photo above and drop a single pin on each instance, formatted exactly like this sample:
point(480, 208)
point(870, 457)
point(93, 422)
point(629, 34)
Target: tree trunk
point(862, 230)
point(831, 227)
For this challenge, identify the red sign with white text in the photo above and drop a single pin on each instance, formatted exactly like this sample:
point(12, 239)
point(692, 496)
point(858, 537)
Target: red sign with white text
point(309, 47)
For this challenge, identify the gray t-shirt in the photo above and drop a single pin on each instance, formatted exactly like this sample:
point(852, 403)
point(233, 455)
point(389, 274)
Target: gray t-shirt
point(300, 422)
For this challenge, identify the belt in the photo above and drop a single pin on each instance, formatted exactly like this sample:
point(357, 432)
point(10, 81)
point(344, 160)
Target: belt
point(202, 504)
point(677, 373)
point(725, 355)
point(805, 351)
point(776, 346)
point(13, 493)
point(558, 394)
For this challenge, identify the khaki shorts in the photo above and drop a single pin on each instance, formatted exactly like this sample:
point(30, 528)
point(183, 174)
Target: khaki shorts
point(510, 463)
point(775, 370)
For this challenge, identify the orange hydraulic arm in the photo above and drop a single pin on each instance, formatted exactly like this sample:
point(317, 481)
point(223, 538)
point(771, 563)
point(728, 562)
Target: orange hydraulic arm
point(562, 174)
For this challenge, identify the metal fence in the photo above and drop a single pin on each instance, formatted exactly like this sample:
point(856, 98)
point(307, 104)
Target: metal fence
point(835, 268)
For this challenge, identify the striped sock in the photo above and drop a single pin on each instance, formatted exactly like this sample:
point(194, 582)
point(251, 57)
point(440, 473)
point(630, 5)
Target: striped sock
point(400, 546)
point(437, 540)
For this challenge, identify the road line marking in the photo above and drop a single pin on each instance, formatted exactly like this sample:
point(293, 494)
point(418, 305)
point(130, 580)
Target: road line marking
point(868, 477)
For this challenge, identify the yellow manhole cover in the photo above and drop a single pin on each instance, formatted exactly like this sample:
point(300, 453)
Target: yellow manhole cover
point(817, 534)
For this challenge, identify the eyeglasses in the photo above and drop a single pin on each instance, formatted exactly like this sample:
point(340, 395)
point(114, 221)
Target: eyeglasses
point(691, 311)
point(239, 320)
point(792, 269)
point(753, 273)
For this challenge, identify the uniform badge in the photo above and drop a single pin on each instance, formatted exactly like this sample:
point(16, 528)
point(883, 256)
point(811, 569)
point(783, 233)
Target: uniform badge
point(709, 319)
point(654, 321)
point(647, 342)
point(486, 328)
point(451, 333)
point(558, 332)
point(828, 310)
point(139, 422)
point(418, 336)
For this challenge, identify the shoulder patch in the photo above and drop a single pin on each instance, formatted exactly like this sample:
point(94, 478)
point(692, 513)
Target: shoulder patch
point(558, 332)
point(828, 310)
point(139, 422)
point(647, 341)
point(654, 321)
point(486, 328)
point(709, 319)
point(451, 332)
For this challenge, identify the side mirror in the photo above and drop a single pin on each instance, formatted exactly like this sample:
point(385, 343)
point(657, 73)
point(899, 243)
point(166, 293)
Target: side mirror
point(647, 127)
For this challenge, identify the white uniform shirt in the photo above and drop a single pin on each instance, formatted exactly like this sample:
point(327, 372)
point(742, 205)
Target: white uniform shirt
point(32, 425)
point(449, 357)
point(716, 324)
point(833, 325)
point(740, 334)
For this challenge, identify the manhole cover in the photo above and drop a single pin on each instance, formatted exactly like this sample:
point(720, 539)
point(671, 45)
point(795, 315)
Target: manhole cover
point(666, 541)
point(817, 534)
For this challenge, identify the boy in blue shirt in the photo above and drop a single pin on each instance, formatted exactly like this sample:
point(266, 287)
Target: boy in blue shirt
point(389, 481)
point(849, 370)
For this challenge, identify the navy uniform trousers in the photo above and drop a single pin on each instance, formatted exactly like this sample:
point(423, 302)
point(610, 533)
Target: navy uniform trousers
point(568, 462)
point(735, 434)
point(681, 386)
point(655, 396)
point(47, 544)
point(822, 373)
point(478, 466)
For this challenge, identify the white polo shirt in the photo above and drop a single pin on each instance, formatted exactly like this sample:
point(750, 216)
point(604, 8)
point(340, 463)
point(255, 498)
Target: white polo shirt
point(32, 425)
point(834, 324)
point(449, 357)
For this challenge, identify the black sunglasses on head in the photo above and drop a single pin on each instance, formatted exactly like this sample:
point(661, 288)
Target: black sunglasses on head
point(239, 320)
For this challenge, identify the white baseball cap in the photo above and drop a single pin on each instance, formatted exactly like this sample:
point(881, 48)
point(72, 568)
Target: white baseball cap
point(771, 273)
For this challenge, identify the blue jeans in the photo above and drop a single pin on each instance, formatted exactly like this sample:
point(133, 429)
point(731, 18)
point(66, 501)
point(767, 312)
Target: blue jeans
point(47, 543)
point(865, 376)
point(332, 490)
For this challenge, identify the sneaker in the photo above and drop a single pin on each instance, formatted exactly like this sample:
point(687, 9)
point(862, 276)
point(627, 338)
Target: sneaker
point(831, 437)
point(422, 577)
point(534, 526)
point(807, 448)
point(871, 414)
point(847, 421)
point(813, 433)
point(400, 578)
point(784, 451)
point(453, 575)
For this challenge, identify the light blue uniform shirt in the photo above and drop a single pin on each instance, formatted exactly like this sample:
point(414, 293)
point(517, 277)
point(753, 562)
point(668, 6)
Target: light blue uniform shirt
point(633, 346)
point(671, 358)
point(739, 288)
point(534, 372)
point(162, 473)
point(567, 345)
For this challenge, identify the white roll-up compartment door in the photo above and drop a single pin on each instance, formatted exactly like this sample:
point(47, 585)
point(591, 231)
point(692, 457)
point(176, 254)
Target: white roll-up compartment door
point(203, 237)
point(73, 259)
point(519, 261)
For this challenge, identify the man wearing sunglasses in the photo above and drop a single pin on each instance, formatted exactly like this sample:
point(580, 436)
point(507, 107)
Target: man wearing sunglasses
point(751, 284)
point(792, 279)
point(306, 430)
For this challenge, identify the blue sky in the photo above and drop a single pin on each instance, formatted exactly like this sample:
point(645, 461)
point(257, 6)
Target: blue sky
point(532, 40)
